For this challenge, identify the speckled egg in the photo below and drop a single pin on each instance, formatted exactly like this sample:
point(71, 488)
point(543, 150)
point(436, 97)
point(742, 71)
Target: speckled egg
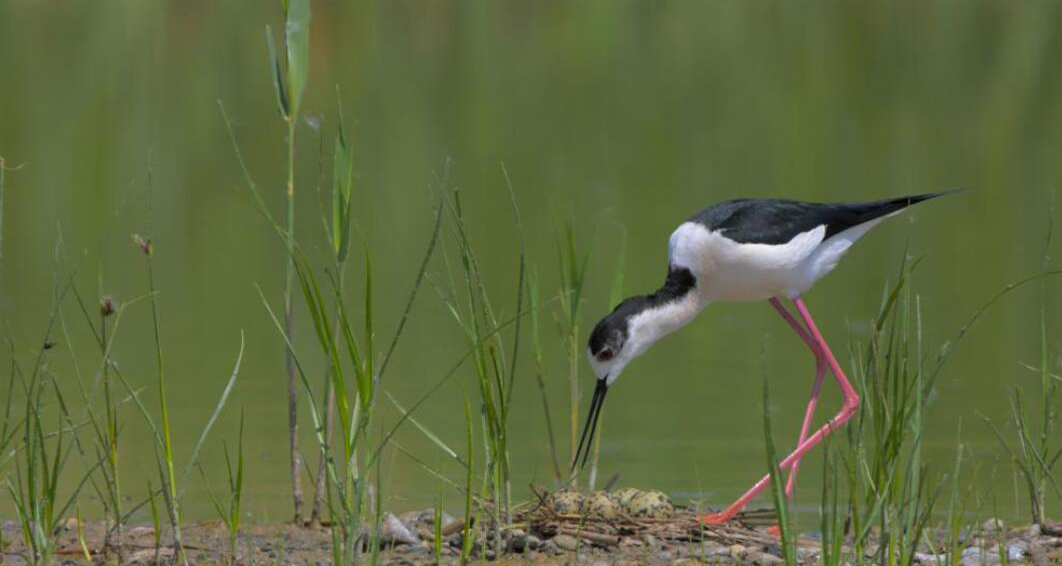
point(566, 502)
point(600, 505)
point(623, 497)
point(652, 504)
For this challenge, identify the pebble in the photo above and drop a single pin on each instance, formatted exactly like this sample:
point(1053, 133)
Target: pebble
point(738, 551)
point(551, 547)
point(517, 540)
point(663, 556)
point(926, 558)
point(709, 550)
point(600, 563)
point(394, 531)
point(992, 525)
point(565, 542)
point(1018, 550)
point(763, 559)
point(533, 542)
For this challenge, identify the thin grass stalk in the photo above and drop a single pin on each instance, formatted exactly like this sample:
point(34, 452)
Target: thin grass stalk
point(573, 271)
point(3, 169)
point(156, 523)
point(466, 534)
point(540, 378)
point(777, 484)
point(289, 96)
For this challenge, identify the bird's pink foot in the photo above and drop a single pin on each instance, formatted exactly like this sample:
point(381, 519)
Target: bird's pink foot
point(714, 518)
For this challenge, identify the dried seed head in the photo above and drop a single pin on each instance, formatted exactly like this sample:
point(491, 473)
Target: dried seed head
point(106, 306)
point(144, 244)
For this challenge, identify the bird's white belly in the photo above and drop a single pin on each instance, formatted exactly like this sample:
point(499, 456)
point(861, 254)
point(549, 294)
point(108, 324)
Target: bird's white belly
point(730, 271)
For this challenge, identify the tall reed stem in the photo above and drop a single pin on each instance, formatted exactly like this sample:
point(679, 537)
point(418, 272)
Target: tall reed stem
point(289, 331)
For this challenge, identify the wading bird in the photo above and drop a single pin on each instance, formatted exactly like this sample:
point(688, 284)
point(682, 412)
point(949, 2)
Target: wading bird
point(742, 250)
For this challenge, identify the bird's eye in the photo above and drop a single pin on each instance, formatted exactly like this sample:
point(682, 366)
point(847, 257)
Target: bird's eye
point(605, 355)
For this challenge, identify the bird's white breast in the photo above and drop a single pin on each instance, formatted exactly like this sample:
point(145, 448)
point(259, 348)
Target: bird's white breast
point(731, 271)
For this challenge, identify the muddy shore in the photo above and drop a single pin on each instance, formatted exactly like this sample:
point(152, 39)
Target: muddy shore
point(408, 542)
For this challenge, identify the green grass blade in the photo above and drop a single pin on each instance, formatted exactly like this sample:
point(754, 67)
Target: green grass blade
point(297, 34)
point(342, 176)
point(278, 75)
point(214, 416)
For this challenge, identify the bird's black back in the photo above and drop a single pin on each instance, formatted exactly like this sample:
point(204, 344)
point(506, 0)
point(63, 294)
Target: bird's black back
point(777, 221)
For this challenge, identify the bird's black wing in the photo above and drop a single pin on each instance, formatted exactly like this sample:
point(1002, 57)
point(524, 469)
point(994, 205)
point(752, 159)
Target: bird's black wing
point(777, 221)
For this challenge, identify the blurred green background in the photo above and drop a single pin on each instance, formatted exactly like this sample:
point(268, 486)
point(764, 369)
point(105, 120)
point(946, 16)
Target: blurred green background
point(626, 117)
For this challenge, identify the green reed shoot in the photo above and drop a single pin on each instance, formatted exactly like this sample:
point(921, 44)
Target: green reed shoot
point(831, 518)
point(156, 521)
point(888, 484)
point(466, 534)
point(40, 456)
point(230, 513)
point(1036, 456)
point(436, 523)
point(540, 371)
point(105, 429)
point(289, 98)
point(614, 297)
point(342, 178)
point(573, 275)
point(777, 485)
point(347, 466)
point(172, 484)
point(494, 369)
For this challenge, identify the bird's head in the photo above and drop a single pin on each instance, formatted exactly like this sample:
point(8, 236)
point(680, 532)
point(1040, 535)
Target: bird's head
point(617, 339)
point(611, 346)
point(629, 330)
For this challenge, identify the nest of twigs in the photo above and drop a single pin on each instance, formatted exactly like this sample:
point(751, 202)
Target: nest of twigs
point(624, 530)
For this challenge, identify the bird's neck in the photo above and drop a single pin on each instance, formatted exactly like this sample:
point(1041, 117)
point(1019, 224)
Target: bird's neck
point(671, 307)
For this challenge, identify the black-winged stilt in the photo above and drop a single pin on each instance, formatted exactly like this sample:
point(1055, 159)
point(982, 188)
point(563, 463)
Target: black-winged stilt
point(742, 250)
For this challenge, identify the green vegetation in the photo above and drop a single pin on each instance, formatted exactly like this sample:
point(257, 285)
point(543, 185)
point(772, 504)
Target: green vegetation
point(517, 286)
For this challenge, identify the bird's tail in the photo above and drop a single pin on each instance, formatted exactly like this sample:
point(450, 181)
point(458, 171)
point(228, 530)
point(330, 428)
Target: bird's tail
point(872, 210)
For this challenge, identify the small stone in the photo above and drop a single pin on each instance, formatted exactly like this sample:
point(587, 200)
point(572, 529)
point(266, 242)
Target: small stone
point(649, 540)
point(1032, 531)
point(533, 542)
point(551, 547)
point(394, 531)
point(711, 549)
point(763, 559)
point(517, 540)
point(926, 558)
point(992, 525)
point(1018, 550)
point(663, 556)
point(599, 563)
point(738, 551)
point(565, 542)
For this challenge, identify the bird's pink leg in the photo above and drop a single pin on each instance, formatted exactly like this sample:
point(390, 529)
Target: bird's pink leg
point(820, 372)
point(851, 401)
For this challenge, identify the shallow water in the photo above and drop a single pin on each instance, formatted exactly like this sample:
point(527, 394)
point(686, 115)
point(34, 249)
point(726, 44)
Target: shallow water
point(625, 117)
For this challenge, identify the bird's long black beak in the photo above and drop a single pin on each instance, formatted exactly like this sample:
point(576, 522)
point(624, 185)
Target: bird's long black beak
point(591, 422)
